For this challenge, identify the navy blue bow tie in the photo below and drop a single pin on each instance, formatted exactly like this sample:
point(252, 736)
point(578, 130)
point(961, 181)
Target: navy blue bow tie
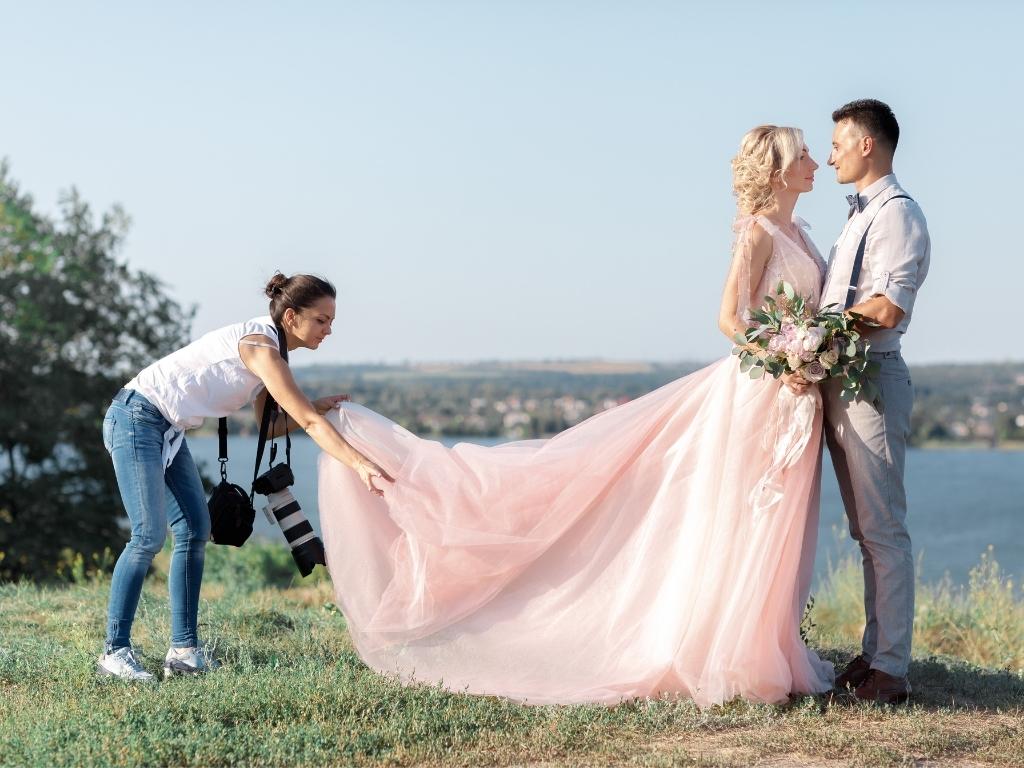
point(856, 206)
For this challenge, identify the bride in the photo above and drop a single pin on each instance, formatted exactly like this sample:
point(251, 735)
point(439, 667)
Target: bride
point(663, 547)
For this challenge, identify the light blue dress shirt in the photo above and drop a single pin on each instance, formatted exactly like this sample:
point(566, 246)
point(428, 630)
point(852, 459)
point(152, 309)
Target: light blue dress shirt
point(896, 257)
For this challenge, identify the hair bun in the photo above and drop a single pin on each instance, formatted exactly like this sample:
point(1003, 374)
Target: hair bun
point(276, 284)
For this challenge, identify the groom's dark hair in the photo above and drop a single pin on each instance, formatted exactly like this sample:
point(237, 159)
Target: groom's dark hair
point(873, 117)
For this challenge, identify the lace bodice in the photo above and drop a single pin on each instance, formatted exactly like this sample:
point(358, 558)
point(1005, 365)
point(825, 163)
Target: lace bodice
point(798, 263)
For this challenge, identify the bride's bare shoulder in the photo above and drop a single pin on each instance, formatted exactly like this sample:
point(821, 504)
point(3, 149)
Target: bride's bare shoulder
point(761, 240)
point(760, 232)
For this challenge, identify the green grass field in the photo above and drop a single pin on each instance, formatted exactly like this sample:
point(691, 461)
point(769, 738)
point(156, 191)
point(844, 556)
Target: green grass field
point(293, 692)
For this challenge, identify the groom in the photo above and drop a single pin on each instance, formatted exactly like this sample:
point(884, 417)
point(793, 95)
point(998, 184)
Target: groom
point(875, 269)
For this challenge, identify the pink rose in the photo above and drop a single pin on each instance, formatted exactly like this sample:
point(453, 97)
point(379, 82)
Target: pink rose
point(814, 372)
point(794, 347)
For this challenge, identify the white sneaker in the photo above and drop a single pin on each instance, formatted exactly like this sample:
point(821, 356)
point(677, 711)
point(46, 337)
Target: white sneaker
point(189, 661)
point(122, 663)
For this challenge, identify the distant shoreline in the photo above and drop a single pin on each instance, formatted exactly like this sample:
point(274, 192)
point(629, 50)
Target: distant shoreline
point(582, 365)
point(966, 406)
point(1008, 446)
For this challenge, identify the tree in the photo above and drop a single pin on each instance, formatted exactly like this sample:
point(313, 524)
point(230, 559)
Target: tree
point(75, 324)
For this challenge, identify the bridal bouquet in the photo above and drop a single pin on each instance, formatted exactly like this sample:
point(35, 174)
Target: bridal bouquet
point(786, 336)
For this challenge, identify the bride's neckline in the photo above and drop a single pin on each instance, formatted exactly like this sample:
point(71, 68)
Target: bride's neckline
point(803, 245)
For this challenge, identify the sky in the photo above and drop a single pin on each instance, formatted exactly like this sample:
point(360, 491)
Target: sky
point(511, 180)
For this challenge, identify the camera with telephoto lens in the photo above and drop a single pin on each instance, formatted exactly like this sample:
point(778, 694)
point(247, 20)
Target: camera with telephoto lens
point(282, 508)
point(275, 479)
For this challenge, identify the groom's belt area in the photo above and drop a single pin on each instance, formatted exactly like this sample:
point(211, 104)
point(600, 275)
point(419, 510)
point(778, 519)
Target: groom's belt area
point(891, 355)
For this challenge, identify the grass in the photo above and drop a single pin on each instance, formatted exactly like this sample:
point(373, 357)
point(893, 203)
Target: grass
point(293, 692)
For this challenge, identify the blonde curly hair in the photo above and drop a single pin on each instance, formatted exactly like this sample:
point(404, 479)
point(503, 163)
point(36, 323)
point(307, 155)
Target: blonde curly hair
point(765, 152)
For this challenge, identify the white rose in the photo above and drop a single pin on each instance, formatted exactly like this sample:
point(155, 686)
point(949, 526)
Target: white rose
point(813, 338)
point(829, 358)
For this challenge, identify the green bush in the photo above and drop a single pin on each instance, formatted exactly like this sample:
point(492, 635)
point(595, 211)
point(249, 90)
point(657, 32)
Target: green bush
point(982, 622)
point(257, 564)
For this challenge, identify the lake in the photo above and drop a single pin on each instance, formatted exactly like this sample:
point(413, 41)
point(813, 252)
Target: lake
point(961, 501)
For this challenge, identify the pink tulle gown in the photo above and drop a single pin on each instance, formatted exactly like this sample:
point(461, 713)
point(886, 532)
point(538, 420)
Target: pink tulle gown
point(663, 547)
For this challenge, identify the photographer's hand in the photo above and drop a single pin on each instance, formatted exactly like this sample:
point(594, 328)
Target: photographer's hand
point(368, 471)
point(325, 404)
point(273, 370)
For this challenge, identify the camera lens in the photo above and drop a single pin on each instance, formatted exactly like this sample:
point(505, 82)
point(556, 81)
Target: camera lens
point(307, 549)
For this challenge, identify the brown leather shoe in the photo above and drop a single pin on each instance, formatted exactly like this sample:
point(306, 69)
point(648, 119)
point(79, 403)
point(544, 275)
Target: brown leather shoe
point(882, 688)
point(854, 673)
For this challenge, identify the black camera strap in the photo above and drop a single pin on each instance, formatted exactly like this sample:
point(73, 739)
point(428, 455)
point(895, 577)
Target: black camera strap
point(269, 419)
point(222, 437)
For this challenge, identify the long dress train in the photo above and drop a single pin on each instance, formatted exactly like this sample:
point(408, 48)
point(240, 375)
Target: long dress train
point(663, 547)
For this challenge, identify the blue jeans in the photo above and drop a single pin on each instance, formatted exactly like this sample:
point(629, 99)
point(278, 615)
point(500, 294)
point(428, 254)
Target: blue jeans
point(133, 434)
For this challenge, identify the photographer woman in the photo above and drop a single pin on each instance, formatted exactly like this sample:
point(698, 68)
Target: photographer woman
point(144, 433)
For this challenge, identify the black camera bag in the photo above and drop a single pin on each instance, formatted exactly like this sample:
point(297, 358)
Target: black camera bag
point(231, 509)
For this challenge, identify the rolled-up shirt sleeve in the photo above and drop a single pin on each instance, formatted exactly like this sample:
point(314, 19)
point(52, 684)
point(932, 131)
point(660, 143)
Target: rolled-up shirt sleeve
point(897, 252)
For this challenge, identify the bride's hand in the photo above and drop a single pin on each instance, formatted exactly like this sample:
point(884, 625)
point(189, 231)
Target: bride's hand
point(325, 404)
point(368, 472)
point(796, 383)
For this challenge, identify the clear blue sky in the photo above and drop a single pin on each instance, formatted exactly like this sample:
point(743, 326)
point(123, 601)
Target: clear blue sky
point(511, 179)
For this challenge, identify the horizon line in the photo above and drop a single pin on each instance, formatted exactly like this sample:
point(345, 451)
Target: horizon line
point(623, 362)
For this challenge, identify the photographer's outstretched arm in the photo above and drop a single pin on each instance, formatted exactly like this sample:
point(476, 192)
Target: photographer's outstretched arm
point(277, 378)
point(323, 405)
point(278, 427)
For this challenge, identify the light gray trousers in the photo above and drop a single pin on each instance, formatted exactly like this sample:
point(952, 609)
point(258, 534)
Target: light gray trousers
point(868, 446)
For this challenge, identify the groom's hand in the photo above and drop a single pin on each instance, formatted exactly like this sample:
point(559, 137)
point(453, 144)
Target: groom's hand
point(325, 404)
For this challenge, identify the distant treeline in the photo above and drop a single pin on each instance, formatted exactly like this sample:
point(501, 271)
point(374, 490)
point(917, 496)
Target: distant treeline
point(977, 403)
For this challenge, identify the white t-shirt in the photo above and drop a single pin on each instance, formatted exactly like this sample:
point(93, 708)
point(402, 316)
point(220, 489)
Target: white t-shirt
point(206, 379)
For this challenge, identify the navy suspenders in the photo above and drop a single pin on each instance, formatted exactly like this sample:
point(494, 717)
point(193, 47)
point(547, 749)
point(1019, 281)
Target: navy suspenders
point(858, 261)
